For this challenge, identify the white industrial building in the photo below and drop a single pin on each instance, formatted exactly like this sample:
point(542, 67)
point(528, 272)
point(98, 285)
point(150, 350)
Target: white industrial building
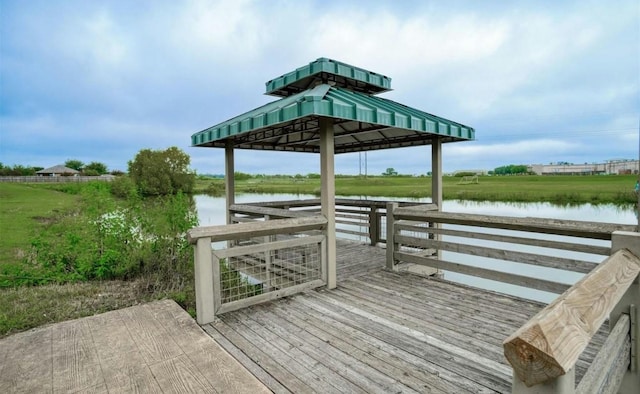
point(610, 167)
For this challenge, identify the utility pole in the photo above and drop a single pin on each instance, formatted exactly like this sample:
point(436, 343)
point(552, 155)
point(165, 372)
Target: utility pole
point(638, 180)
point(365, 164)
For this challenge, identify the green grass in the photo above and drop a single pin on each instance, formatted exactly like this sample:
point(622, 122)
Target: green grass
point(25, 209)
point(56, 260)
point(597, 189)
point(28, 212)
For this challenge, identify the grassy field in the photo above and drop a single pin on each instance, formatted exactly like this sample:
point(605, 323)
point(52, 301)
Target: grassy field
point(31, 212)
point(24, 209)
point(596, 189)
point(57, 262)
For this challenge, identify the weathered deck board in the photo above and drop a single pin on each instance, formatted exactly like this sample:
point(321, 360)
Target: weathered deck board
point(381, 331)
point(152, 348)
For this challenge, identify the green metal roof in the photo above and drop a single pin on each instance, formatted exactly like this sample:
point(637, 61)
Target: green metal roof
point(329, 71)
point(361, 122)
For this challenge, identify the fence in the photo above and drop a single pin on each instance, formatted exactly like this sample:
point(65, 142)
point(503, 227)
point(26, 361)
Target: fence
point(265, 260)
point(418, 236)
point(54, 179)
point(544, 351)
point(359, 219)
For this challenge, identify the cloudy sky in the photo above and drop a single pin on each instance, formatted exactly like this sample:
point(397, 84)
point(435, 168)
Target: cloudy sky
point(541, 82)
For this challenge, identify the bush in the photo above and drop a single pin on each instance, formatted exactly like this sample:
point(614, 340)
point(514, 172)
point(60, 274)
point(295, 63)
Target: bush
point(215, 189)
point(162, 172)
point(241, 176)
point(105, 239)
point(123, 187)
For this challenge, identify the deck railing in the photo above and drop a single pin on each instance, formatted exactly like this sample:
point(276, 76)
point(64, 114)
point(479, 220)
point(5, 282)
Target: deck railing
point(264, 260)
point(544, 351)
point(419, 235)
point(363, 219)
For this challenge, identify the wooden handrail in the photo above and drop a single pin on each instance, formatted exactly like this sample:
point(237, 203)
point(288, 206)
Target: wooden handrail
point(268, 211)
point(339, 201)
point(595, 230)
point(256, 229)
point(549, 344)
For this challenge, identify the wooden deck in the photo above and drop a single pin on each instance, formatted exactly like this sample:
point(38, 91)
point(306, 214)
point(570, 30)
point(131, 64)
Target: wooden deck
point(380, 332)
point(155, 348)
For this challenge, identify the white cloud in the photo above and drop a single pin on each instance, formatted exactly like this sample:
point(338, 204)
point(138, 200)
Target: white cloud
point(131, 75)
point(511, 151)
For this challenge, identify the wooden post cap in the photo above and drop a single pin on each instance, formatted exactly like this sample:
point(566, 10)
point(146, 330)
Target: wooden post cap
point(530, 363)
point(549, 344)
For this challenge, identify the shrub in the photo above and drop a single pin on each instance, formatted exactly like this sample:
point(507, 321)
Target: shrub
point(123, 187)
point(162, 172)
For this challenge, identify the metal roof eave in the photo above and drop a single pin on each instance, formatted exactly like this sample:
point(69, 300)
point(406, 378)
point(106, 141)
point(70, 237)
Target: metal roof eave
point(357, 113)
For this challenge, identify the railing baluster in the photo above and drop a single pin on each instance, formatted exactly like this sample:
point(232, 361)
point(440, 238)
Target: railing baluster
point(391, 243)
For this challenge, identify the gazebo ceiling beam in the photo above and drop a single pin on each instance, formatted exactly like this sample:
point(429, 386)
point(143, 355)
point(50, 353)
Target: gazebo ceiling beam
point(349, 133)
point(273, 132)
point(384, 143)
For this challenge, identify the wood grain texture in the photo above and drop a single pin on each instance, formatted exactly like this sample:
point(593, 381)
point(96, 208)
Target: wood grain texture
point(575, 228)
point(256, 229)
point(381, 331)
point(148, 348)
point(561, 263)
point(500, 276)
point(604, 374)
point(272, 212)
point(550, 343)
point(544, 243)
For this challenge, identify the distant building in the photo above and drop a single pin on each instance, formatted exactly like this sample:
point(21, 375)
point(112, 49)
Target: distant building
point(610, 167)
point(58, 170)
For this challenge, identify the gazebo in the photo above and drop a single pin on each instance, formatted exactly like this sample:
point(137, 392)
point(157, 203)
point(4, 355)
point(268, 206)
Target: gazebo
point(412, 332)
point(329, 107)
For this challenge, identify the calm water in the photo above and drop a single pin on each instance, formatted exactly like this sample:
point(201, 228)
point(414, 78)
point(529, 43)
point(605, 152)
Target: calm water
point(211, 211)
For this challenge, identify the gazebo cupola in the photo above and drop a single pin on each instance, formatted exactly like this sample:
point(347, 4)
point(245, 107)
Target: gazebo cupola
point(330, 72)
point(330, 107)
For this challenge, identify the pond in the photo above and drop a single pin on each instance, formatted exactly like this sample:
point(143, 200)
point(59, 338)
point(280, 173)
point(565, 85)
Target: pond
point(211, 211)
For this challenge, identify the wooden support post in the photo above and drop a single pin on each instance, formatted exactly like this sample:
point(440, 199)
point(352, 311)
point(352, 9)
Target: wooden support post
point(630, 300)
point(323, 259)
point(436, 173)
point(205, 281)
point(328, 195)
point(436, 189)
point(374, 230)
point(268, 258)
point(391, 244)
point(229, 178)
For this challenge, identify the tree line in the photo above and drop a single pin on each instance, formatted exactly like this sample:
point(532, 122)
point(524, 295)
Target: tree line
point(92, 169)
point(150, 173)
point(511, 169)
